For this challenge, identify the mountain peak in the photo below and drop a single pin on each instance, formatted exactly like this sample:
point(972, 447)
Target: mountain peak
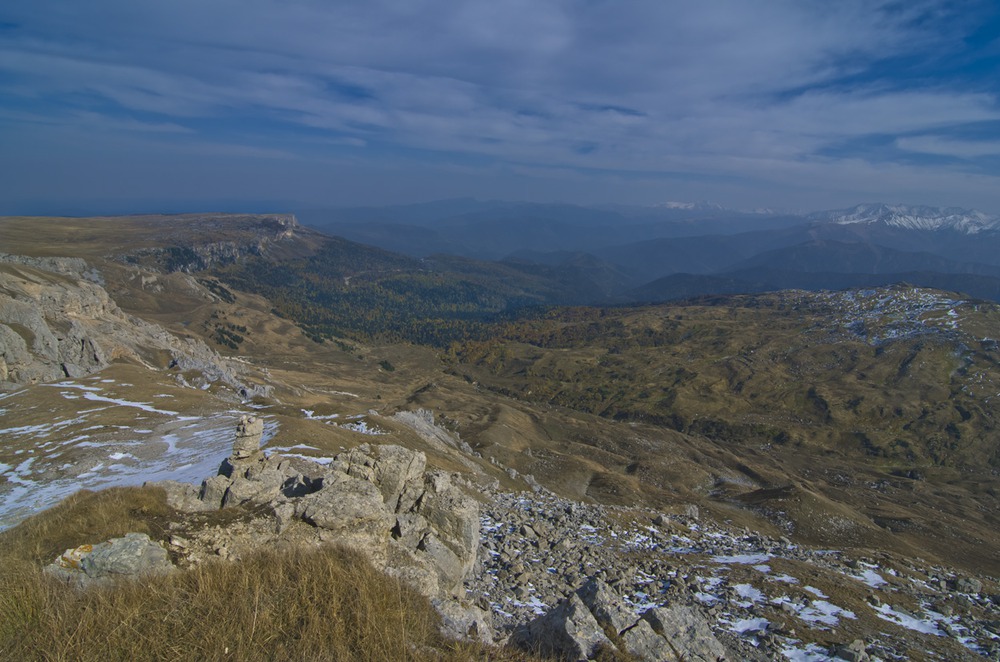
point(690, 206)
point(965, 221)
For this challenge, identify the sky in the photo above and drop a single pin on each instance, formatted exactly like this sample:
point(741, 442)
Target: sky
point(143, 105)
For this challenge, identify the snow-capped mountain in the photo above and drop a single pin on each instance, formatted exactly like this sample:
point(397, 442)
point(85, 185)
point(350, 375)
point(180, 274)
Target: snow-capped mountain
point(965, 221)
point(690, 206)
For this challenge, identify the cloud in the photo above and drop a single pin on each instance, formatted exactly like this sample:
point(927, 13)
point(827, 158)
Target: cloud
point(949, 147)
point(724, 90)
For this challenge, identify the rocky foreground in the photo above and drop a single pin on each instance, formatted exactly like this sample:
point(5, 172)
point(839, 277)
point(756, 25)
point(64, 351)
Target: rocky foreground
point(561, 577)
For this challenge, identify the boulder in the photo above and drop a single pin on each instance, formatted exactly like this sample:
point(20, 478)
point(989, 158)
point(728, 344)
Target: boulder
point(643, 642)
point(607, 606)
point(463, 622)
point(453, 515)
point(449, 566)
point(213, 490)
point(184, 497)
point(687, 632)
point(569, 631)
point(131, 556)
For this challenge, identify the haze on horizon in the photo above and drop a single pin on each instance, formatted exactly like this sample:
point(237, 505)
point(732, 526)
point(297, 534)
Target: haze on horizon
point(121, 106)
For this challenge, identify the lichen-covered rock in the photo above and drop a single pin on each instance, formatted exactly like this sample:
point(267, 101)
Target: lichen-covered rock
point(131, 556)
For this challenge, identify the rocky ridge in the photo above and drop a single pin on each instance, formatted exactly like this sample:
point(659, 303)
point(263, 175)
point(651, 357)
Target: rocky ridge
point(57, 321)
point(190, 254)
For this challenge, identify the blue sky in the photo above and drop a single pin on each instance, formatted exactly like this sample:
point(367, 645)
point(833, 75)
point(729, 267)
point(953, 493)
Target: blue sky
point(804, 104)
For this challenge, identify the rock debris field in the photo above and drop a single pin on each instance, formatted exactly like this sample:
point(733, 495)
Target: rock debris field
point(762, 598)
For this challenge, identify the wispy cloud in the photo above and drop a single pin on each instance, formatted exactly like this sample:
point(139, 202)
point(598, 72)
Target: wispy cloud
point(745, 96)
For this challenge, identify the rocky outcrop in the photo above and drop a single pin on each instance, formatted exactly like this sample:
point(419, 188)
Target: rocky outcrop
point(56, 323)
point(249, 433)
point(129, 557)
point(414, 523)
point(256, 234)
point(578, 627)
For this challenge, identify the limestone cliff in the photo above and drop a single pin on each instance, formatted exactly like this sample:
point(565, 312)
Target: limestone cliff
point(56, 323)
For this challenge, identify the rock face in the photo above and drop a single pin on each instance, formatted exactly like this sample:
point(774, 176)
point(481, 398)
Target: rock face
point(132, 556)
point(57, 322)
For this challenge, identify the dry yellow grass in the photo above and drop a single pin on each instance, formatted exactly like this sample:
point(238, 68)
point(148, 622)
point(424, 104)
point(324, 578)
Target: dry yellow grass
point(291, 604)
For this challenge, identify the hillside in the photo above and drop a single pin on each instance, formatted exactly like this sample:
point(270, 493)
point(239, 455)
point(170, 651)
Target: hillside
point(827, 435)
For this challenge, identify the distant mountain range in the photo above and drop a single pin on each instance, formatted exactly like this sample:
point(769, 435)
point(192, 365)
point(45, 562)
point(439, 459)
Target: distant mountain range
point(966, 221)
point(675, 250)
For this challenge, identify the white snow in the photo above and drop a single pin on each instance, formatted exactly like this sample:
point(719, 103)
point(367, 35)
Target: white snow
point(810, 653)
point(128, 403)
point(311, 415)
point(817, 612)
point(193, 451)
point(870, 577)
point(745, 625)
point(743, 559)
point(925, 625)
point(748, 592)
point(537, 606)
point(363, 428)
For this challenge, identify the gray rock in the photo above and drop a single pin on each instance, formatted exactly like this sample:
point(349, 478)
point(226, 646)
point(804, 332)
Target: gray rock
point(131, 556)
point(263, 488)
point(249, 432)
point(213, 490)
point(463, 622)
point(607, 606)
point(410, 529)
point(687, 632)
point(184, 497)
point(449, 566)
point(568, 631)
point(72, 328)
point(643, 642)
point(398, 472)
point(345, 503)
point(454, 516)
point(968, 585)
